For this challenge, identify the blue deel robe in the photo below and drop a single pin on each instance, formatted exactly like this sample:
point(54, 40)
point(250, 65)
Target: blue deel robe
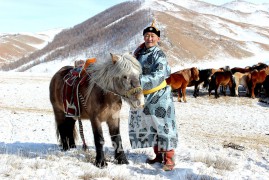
point(155, 124)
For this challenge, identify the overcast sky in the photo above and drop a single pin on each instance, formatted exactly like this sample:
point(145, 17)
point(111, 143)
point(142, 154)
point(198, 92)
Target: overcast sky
point(41, 15)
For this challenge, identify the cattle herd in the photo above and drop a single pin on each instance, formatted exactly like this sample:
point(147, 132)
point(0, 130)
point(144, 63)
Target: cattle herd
point(254, 79)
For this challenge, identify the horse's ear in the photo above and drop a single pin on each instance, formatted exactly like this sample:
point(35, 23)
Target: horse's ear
point(114, 58)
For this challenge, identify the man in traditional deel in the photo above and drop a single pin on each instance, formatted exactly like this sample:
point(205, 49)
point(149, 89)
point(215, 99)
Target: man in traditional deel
point(155, 124)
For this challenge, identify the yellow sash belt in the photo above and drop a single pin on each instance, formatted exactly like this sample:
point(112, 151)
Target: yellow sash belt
point(157, 88)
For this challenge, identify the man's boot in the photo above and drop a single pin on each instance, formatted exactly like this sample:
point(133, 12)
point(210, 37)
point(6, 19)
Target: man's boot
point(169, 162)
point(158, 158)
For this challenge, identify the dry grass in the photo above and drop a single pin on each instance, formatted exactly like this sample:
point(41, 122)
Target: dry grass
point(216, 162)
point(103, 174)
point(198, 177)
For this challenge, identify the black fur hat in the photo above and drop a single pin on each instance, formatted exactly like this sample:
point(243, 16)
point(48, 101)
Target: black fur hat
point(152, 29)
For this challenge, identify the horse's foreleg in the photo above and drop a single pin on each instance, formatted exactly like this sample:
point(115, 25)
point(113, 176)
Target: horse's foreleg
point(236, 89)
point(246, 87)
point(223, 89)
point(210, 88)
point(253, 85)
point(114, 131)
point(99, 143)
point(179, 95)
point(196, 90)
point(216, 91)
point(184, 94)
point(232, 89)
point(66, 131)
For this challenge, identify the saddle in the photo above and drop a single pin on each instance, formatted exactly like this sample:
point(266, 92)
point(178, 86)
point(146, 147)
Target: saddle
point(72, 80)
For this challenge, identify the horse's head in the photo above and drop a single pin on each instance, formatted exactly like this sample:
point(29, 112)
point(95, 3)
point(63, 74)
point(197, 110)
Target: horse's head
point(127, 79)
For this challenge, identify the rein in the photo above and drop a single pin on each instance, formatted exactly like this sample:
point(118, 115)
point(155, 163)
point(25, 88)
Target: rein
point(128, 94)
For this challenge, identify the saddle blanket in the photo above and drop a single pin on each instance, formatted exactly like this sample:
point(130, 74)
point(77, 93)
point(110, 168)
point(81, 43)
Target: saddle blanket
point(70, 93)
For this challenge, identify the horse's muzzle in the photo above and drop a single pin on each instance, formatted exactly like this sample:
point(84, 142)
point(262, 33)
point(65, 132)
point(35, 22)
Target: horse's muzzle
point(135, 97)
point(139, 101)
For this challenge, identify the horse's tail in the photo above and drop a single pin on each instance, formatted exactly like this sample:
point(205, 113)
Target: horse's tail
point(69, 123)
point(212, 82)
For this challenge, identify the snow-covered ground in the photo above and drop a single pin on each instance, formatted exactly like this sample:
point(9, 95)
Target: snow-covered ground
point(29, 147)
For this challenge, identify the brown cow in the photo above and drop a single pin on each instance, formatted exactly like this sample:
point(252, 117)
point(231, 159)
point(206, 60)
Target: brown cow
point(180, 79)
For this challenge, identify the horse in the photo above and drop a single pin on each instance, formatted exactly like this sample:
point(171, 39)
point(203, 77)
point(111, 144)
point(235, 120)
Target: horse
point(180, 79)
point(101, 95)
point(204, 77)
point(241, 70)
point(259, 66)
point(257, 78)
point(241, 79)
point(222, 78)
point(266, 86)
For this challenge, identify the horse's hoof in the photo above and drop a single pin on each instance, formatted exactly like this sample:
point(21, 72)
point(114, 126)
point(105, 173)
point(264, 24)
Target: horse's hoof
point(123, 161)
point(100, 164)
point(65, 148)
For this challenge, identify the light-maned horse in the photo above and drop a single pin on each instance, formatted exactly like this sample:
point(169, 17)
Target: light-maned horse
point(106, 85)
point(241, 79)
point(179, 80)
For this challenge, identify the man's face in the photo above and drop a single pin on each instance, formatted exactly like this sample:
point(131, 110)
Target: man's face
point(151, 39)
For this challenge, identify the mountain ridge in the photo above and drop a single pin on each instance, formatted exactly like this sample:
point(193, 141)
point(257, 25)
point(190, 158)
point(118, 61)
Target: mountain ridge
point(191, 32)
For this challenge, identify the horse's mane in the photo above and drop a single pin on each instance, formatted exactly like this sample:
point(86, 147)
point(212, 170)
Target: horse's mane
point(103, 74)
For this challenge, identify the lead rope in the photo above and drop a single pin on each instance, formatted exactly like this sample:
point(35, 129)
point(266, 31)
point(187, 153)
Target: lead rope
point(84, 146)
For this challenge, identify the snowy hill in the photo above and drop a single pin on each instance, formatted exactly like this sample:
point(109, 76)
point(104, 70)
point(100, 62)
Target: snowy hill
point(192, 33)
point(15, 46)
point(246, 7)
